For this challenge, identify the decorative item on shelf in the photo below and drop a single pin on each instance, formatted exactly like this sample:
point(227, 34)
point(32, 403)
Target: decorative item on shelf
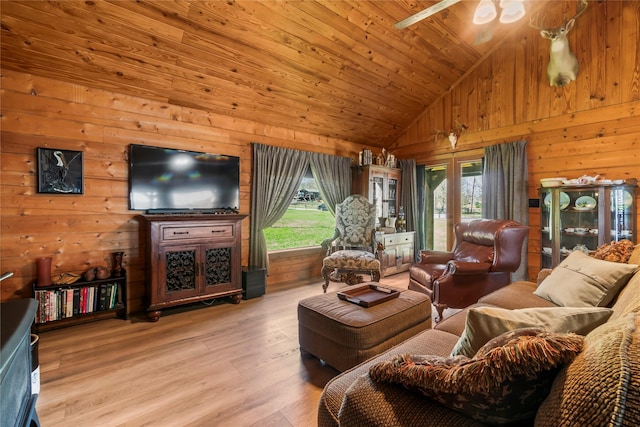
point(65, 278)
point(43, 269)
point(583, 180)
point(564, 200)
point(389, 160)
point(585, 203)
point(117, 264)
point(383, 221)
point(391, 222)
point(102, 273)
point(89, 275)
point(365, 157)
point(552, 182)
point(401, 223)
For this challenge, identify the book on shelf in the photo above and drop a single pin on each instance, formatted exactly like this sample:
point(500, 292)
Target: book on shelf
point(62, 303)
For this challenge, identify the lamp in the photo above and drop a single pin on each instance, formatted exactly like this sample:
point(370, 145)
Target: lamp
point(485, 12)
point(512, 10)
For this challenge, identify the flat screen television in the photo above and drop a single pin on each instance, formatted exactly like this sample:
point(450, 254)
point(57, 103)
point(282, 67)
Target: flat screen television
point(167, 180)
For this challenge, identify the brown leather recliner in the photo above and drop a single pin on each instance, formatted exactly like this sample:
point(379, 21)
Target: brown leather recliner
point(485, 253)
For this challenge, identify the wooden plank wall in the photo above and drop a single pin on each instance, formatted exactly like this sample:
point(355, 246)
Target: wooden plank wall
point(589, 127)
point(80, 231)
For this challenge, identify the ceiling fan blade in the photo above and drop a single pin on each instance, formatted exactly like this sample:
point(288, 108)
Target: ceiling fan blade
point(485, 32)
point(483, 35)
point(443, 4)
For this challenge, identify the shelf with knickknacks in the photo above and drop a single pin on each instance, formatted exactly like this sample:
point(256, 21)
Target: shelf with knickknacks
point(68, 298)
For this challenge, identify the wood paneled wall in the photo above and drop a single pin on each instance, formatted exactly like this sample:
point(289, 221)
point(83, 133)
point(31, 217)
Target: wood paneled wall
point(82, 231)
point(589, 127)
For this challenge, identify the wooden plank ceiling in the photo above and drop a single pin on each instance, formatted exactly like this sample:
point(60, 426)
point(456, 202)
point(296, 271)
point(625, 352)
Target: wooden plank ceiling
point(334, 68)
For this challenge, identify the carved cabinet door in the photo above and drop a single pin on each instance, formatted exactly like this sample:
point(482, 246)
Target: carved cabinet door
point(180, 269)
point(219, 271)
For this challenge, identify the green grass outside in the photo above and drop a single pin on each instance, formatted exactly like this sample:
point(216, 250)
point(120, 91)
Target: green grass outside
point(303, 225)
point(299, 227)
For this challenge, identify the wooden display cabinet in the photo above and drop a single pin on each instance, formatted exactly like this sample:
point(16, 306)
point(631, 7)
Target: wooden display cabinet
point(583, 217)
point(381, 185)
point(192, 258)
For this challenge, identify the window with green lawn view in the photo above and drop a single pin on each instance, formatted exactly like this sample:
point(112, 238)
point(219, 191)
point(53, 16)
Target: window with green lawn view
point(306, 223)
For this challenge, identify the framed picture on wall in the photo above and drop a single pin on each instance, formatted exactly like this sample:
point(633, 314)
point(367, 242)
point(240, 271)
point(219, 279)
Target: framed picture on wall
point(60, 171)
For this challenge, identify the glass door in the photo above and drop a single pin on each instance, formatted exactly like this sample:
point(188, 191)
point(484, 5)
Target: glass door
point(453, 194)
point(437, 203)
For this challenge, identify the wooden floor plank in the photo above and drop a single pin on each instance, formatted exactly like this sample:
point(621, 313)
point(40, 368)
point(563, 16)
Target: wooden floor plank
point(222, 365)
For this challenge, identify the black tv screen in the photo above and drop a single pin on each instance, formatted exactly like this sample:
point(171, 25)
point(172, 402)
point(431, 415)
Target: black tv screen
point(170, 179)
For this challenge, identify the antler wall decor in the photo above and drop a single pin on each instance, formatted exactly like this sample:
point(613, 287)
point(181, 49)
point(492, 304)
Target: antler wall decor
point(563, 64)
point(452, 135)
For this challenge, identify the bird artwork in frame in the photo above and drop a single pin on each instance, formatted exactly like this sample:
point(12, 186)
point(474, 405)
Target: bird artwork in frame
point(60, 171)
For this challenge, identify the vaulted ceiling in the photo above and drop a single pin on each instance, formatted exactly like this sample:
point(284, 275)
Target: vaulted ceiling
point(334, 68)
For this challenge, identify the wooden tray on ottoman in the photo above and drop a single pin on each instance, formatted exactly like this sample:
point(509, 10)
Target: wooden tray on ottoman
point(368, 295)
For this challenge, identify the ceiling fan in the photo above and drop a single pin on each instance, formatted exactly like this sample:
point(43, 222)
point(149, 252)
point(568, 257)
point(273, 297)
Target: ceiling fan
point(431, 10)
point(484, 16)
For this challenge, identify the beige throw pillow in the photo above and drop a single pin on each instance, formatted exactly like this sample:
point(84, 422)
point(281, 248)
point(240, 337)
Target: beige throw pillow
point(582, 281)
point(485, 323)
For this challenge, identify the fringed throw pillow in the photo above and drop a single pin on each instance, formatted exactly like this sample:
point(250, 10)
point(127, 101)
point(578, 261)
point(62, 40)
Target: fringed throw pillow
point(615, 251)
point(504, 382)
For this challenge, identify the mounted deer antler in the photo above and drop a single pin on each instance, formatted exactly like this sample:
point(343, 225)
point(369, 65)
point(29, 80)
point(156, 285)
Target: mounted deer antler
point(563, 64)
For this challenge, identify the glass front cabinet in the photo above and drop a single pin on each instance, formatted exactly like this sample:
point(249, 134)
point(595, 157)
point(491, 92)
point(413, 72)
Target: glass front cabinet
point(583, 218)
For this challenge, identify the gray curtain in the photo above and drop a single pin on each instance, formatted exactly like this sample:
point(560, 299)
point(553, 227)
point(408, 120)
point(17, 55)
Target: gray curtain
point(333, 176)
point(421, 204)
point(409, 196)
point(504, 189)
point(277, 174)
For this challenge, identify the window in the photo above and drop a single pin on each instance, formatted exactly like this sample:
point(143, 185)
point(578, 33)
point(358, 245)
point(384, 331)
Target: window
point(306, 223)
point(453, 193)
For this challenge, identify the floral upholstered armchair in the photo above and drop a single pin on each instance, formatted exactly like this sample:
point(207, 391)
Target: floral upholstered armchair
point(351, 251)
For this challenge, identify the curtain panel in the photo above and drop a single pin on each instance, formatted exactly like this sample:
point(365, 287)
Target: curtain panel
point(505, 189)
point(333, 176)
point(276, 177)
point(409, 198)
point(421, 212)
point(277, 174)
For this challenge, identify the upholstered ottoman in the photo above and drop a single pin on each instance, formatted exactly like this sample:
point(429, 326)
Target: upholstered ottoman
point(344, 334)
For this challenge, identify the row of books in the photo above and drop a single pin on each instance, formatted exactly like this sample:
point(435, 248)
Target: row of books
point(68, 302)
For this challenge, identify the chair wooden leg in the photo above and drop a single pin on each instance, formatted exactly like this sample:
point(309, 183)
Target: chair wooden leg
point(326, 272)
point(440, 309)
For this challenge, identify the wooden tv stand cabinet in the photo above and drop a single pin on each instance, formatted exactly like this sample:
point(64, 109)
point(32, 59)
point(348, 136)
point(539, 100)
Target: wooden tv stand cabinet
point(192, 258)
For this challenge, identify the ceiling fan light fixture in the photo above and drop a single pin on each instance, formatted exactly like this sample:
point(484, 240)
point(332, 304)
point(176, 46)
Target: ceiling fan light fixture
point(485, 12)
point(512, 11)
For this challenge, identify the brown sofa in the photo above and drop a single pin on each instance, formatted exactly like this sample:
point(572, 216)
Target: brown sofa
point(601, 386)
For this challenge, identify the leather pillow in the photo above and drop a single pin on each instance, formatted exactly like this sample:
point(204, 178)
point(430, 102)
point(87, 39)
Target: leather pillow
point(485, 323)
point(504, 383)
point(582, 281)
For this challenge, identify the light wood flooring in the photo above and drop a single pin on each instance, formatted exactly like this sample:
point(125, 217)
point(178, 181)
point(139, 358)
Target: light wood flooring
point(222, 365)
